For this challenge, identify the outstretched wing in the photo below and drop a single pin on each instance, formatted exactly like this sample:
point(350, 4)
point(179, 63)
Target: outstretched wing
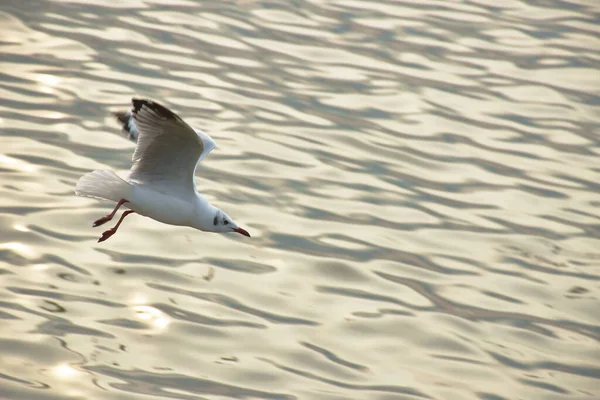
point(168, 149)
point(129, 129)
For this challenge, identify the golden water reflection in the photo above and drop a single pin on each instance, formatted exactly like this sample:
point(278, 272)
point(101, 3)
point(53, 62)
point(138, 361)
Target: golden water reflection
point(420, 180)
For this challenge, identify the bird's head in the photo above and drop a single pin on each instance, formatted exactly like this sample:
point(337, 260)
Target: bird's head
point(223, 223)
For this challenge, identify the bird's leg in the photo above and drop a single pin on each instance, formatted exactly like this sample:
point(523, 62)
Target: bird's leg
point(113, 230)
point(110, 216)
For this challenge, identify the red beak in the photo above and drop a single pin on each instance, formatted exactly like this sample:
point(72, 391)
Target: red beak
point(242, 231)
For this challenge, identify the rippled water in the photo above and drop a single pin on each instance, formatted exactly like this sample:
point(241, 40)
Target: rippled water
point(421, 179)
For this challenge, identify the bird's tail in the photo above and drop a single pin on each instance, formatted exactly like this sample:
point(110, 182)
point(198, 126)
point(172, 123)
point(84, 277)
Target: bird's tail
point(102, 184)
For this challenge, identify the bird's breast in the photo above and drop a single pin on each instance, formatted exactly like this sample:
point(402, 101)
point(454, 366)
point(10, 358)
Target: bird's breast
point(166, 208)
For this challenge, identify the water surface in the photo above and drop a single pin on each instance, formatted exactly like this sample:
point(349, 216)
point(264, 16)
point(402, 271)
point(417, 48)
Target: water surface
point(421, 180)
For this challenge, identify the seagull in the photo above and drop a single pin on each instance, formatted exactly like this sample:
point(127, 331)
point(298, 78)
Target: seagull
point(161, 181)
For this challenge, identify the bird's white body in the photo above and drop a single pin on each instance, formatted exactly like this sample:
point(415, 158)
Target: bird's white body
point(161, 183)
point(164, 208)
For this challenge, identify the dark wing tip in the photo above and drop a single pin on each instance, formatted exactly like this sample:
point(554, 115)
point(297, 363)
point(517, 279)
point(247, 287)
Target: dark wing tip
point(127, 124)
point(161, 111)
point(123, 118)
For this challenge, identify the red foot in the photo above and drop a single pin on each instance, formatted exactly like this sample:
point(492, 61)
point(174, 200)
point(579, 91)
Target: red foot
point(102, 220)
point(107, 234)
point(110, 216)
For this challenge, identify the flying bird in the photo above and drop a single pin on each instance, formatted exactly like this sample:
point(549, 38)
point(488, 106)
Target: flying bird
point(161, 182)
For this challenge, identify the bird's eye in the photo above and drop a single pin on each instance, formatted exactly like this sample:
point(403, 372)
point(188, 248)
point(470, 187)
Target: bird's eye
point(225, 222)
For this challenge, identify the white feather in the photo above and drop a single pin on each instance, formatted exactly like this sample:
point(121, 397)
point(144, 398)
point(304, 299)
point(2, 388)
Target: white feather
point(103, 184)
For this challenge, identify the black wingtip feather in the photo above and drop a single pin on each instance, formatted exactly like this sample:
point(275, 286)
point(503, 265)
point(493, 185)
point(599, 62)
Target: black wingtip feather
point(160, 110)
point(123, 118)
